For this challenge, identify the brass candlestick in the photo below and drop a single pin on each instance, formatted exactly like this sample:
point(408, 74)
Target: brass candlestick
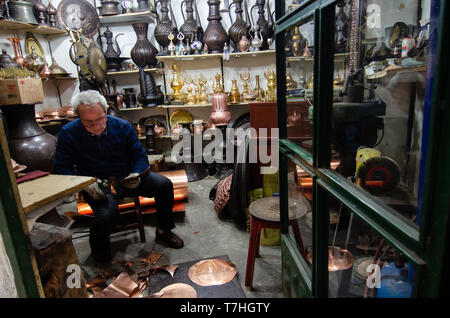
point(190, 98)
point(202, 97)
point(271, 77)
point(247, 96)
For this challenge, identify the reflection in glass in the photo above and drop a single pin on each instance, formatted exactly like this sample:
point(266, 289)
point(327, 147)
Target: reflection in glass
point(361, 263)
point(380, 84)
point(300, 82)
point(300, 195)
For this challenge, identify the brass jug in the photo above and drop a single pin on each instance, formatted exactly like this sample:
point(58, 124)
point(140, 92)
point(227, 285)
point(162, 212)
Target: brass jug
point(35, 62)
point(176, 84)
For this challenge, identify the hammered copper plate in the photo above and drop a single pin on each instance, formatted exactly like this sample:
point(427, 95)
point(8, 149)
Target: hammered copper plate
point(78, 14)
point(178, 290)
point(212, 272)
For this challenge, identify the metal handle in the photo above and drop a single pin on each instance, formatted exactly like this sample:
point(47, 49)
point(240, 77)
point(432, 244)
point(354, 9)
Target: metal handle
point(181, 8)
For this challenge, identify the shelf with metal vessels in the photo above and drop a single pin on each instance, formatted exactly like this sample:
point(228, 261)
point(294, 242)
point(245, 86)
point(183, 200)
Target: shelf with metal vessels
point(115, 73)
point(192, 57)
point(181, 106)
point(7, 24)
point(337, 57)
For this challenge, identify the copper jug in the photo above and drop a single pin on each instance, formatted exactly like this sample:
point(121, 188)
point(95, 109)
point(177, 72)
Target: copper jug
point(220, 114)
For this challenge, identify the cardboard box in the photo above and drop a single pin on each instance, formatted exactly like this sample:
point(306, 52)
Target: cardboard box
point(21, 91)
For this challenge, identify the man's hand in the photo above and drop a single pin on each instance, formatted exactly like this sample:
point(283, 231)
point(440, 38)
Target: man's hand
point(95, 191)
point(131, 181)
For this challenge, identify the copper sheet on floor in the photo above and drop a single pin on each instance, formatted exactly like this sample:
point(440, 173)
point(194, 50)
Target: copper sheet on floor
point(178, 290)
point(212, 272)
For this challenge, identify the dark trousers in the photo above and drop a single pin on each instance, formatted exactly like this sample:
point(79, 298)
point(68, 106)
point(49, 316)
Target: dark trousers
point(106, 210)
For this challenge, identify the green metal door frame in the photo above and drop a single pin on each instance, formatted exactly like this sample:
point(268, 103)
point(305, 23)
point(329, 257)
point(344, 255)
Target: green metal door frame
point(426, 246)
point(14, 229)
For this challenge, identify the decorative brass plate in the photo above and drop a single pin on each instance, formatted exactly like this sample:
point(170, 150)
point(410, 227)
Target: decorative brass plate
point(32, 41)
point(179, 116)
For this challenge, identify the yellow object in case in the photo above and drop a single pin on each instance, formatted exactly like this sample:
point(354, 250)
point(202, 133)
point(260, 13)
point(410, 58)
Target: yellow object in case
point(363, 154)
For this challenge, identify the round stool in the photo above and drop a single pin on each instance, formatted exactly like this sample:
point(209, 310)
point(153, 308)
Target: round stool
point(265, 213)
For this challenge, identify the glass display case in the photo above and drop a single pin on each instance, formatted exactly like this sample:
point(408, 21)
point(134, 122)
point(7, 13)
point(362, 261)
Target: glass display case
point(377, 117)
point(361, 116)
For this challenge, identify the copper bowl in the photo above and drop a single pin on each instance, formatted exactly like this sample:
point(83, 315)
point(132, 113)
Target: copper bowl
point(339, 259)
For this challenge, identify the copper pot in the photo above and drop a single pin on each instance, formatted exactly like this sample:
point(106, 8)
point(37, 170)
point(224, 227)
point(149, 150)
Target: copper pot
point(109, 8)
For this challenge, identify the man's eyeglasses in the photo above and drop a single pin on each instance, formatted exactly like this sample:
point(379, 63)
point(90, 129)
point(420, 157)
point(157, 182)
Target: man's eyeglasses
point(93, 123)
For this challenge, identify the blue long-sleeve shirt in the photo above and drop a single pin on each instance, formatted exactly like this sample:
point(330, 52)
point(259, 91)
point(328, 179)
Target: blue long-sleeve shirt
point(117, 152)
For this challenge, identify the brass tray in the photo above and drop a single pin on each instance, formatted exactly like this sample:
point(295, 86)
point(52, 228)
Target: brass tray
point(179, 116)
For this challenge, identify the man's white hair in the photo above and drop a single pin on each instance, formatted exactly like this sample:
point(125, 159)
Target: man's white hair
point(88, 97)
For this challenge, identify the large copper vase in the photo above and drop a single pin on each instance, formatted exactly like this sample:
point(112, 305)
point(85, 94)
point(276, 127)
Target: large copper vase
point(215, 35)
point(28, 143)
point(143, 52)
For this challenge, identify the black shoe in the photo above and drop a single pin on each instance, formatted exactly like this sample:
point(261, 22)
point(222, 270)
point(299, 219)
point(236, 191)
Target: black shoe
point(170, 238)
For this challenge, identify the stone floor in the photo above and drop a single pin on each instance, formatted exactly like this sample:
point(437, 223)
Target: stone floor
point(205, 236)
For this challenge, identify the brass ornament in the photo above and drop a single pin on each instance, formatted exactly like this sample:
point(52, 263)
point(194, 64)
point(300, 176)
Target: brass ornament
point(177, 84)
point(271, 77)
point(235, 95)
point(31, 41)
